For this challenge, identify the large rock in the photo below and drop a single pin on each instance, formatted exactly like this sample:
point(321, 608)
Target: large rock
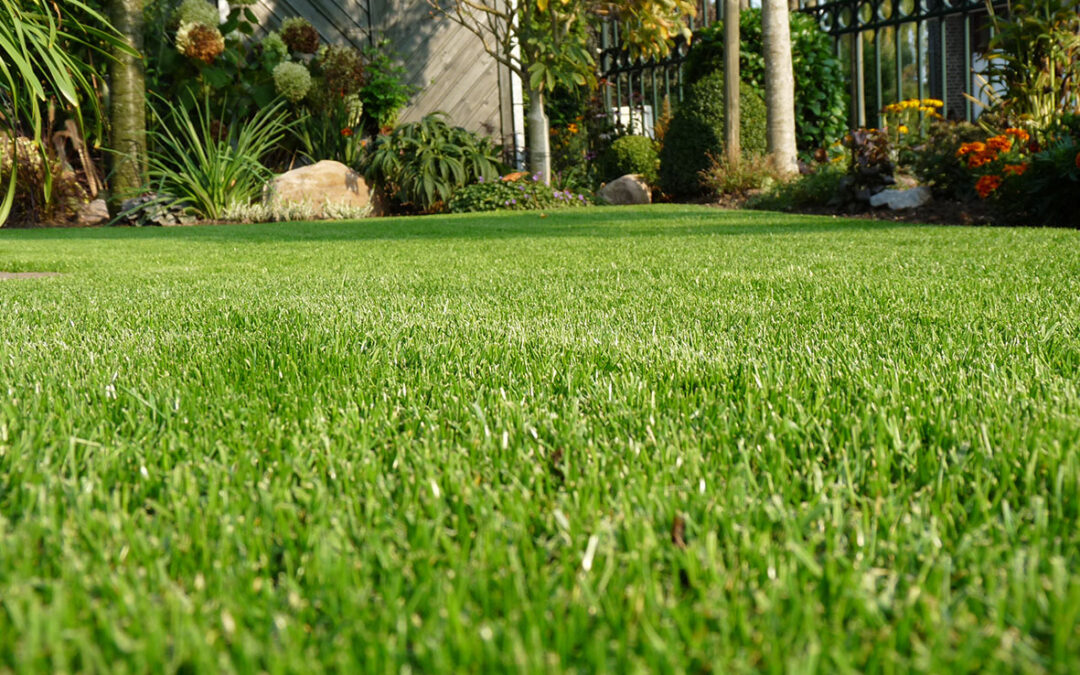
point(92, 213)
point(898, 200)
point(326, 182)
point(630, 189)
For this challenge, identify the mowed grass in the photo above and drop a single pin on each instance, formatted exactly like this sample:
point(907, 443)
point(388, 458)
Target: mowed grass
point(670, 439)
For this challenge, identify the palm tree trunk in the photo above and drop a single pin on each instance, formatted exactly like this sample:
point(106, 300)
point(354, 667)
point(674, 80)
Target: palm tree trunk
point(127, 101)
point(732, 144)
point(779, 85)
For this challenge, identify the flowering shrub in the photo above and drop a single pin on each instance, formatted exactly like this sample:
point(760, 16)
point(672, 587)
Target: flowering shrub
point(997, 156)
point(1027, 182)
point(292, 80)
point(908, 122)
point(934, 160)
point(513, 192)
point(300, 35)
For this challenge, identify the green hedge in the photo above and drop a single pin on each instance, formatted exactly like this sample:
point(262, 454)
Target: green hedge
point(697, 131)
point(820, 88)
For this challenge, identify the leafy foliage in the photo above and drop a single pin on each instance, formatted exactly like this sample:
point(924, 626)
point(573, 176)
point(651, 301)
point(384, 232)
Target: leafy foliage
point(513, 193)
point(39, 67)
point(813, 190)
point(871, 168)
point(208, 168)
point(1035, 56)
point(423, 163)
point(633, 154)
point(697, 131)
point(820, 88)
point(386, 92)
point(936, 163)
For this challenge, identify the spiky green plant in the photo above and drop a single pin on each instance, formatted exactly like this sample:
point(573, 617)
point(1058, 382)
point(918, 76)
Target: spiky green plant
point(208, 168)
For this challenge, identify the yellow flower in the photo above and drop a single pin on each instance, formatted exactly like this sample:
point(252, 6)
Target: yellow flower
point(936, 103)
point(903, 129)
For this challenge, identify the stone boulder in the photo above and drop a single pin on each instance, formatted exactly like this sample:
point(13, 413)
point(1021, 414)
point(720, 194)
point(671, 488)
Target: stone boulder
point(92, 213)
point(627, 190)
point(898, 200)
point(326, 182)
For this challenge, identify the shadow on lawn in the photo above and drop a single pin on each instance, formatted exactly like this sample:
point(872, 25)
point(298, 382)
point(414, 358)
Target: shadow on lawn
point(613, 223)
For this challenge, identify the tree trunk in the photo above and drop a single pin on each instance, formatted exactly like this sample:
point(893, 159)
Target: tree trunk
point(779, 85)
point(539, 140)
point(732, 145)
point(127, 101)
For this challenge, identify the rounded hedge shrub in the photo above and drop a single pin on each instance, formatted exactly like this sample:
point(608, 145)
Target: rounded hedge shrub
point(511, 193)
point(632, 154)
point(820, 87)
point(697, 131)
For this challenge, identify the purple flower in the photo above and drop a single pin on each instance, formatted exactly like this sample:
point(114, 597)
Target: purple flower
point(480, 179)
point(581, 197)
point(513, 201)
point(536, 177)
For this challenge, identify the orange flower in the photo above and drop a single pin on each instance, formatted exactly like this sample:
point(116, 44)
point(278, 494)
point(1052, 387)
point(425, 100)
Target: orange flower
point(1020, 134)
point(975, 161)
point(572, 128)
point(987, 184)
point(968, 148)
point(347, 131)
point(1000, 143)
point(1016, 169)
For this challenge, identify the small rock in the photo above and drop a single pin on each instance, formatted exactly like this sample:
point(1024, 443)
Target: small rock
point(627, 190)
point(898, 200)
point(94, 213)
point(326, 182)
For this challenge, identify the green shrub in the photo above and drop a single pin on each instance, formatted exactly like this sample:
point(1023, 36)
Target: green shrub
point(424, 162)
point(752, 173)
point(820, 88)
point(632, 154)
point(521, 194)
point(697, 131)
point(813, 190)
point(935, 163)
point(1052, 184)
point(386, 91)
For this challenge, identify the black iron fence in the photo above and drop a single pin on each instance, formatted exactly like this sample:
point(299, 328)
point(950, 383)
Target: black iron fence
point(890, 50)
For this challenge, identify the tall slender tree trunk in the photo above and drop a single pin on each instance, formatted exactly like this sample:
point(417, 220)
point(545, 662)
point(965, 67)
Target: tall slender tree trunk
point(127, 101)
point(539, 138)
point(732, 77)
point(779, 85)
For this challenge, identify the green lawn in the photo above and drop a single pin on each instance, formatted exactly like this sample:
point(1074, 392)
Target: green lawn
point(671, 439)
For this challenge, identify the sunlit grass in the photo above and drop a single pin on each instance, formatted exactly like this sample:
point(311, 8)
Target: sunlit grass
point(671, 439)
